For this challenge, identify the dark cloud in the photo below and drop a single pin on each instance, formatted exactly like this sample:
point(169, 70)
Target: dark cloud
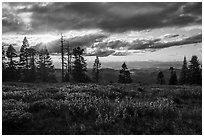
point(11, 25)
point(190, 40)
point(194, 39)
point(112, 17)
point(182, 20)
point(193, 8)
point(11, 22)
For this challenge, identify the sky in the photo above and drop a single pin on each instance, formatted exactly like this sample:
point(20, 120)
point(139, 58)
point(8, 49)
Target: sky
point(114, 31)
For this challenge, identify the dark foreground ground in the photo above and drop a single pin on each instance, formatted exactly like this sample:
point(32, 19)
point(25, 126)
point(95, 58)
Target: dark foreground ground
point(101, 109)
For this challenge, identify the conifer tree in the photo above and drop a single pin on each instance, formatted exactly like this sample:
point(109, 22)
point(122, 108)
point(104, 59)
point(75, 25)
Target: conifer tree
point(96, 69)
point(24, 61)
point(183, 73)
point(3, 58)
point(12, 66)
point(3, 64)
point(24, 55)
point(160, 78)
point(79, 66)
point(124, 76)
point(11, 53)
point(3, 53)
point(45, 68)
point(195, 72)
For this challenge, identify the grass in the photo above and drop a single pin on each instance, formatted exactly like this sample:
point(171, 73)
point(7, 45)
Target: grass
point(42, 109)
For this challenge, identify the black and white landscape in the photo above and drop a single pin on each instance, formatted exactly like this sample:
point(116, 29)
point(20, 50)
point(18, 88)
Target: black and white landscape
point(101, 68)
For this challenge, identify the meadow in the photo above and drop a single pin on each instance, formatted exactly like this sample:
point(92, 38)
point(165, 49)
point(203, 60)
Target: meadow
point(119, 109)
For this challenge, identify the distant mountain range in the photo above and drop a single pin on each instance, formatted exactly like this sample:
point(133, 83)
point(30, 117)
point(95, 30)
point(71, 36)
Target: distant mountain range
point(140, 65)
point(145, 76)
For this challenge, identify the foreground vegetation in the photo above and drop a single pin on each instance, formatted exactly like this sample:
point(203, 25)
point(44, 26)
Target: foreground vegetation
point(101, 109)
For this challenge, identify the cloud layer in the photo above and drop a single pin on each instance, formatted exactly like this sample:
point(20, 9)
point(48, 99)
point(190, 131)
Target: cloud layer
point(117, 48)
point(110, 17)
point(103, 28)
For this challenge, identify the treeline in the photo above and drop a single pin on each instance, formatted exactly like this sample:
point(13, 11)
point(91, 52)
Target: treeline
point(191, 73)
point(29, 65)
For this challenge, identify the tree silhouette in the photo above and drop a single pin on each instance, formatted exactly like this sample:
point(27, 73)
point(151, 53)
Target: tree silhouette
point(3, 64)
point(24, 54)
point(3, 61)
point(79, 66)
point(183, 73)
point(195, 72)
point(3, 57)
point(124, 76)
point(24, 61)
point(173, 77)
point(12, 66)
point(96, 68)
point(45, 68)
point(160, 78)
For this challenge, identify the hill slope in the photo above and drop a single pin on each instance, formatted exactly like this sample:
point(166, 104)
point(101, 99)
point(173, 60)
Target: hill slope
point(61, 109)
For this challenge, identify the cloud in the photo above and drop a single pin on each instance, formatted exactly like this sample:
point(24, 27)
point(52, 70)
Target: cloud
point(193, 8)
point(97, 44)
point(111, 17)
point(77, 41)
point(10, 22)
point(123, 53)
point(100, 53)
point(170, 36)
point(189, 40)
point(193, 39)
point(148, 44)
point(86, 40)
point(118, 44)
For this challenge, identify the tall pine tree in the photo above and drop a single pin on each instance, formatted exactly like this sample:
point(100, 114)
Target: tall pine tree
point(24, 55)
point(3, 64)
point(96, 69)
point(124, 76)
point(79, 66)
point(24, 61)
point(195, 72)
point(183, 73)
point(45, 68)
point(3, 58)
point(12, 66)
